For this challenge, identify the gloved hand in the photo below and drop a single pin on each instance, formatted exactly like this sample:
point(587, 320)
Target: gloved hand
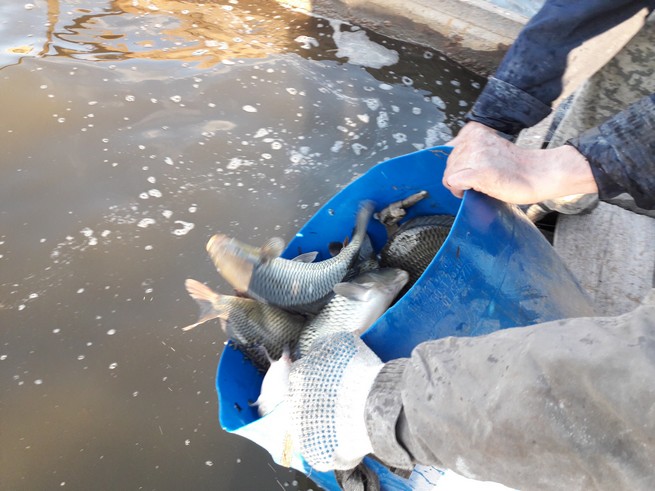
point(327, 396)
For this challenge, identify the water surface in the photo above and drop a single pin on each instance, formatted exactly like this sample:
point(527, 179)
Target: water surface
point(131, 131)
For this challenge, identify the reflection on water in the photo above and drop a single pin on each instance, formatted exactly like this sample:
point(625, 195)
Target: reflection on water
point(131, 131)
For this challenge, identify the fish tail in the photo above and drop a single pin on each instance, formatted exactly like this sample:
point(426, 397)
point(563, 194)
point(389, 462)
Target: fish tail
point(363, 217)
point(205, 298)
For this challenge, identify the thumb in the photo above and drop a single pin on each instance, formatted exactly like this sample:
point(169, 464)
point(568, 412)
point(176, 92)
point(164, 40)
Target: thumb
point(460, 181)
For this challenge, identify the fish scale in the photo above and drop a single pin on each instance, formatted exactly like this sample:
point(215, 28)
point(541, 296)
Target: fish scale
point(415, 244)
point(260, 331)
point(297, 285)
point(291, 284)
point(356, 305)
point(253, 325)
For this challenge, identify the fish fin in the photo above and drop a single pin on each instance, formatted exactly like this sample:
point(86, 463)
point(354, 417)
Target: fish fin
point(204, 297)
point(307, 257)
point(261, 349)
point(334, 248)
point(271, 249)
point(200, 291)
point(363, 217)
point(354, 291)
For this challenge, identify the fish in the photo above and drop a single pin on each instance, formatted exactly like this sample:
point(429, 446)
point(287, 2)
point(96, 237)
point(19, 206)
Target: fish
point(356, 305)
point(415, 244)
point(275, 385)
point(396, 211)
point(299, 284)
point(366, 260)
point(259, 330)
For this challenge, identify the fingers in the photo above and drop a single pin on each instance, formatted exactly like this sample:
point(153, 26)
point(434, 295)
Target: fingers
point(461, 180)
point(471, 156)
point(459, 170)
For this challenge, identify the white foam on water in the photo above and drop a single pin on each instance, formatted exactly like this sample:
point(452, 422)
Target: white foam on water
point(360, 50)
point(306, 42)
point(338, 145)
point(382, 119)
point(372, 104)
point(236, 162)
point(185, 227)
point(145, 222)
point(438, 101)
point(438, 134)
point(357, 148)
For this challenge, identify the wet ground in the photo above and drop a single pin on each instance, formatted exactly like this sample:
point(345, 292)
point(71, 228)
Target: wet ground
point(130, 132)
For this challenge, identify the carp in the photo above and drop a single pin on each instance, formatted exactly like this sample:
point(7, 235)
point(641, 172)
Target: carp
point(259, 330)
point(413, 246)
point(355, 306)
point(297, 284)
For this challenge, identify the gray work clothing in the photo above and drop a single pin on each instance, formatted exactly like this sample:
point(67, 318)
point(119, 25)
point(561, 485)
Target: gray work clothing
point(620, 153)
point(568, 404)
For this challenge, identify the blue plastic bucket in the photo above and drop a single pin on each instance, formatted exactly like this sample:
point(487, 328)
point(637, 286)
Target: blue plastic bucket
point(495, 270)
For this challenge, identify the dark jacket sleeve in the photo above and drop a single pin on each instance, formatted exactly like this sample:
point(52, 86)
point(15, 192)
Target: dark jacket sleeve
point(568, 405)
point(621, 153)
point(529, 78)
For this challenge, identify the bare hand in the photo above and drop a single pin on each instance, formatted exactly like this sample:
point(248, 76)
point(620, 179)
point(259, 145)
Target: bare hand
point(484, 161)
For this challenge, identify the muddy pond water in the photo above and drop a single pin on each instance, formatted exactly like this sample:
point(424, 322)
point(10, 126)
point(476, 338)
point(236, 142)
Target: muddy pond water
point(130, 132)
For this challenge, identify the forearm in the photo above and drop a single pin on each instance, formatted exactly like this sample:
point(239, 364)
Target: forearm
point(563, 405)
point(529, 78)
point(621, 153)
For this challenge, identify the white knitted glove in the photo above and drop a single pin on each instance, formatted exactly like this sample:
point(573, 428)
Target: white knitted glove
point(327, 394)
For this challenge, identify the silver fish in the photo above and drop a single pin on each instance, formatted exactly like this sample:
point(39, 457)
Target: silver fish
point(366, 260)
point(415, 244)
point(293, 284)
point(257, 329)
point(355, 306)
point(275, 385)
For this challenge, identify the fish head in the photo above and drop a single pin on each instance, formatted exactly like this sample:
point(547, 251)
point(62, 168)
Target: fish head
point(234, 260)
point(372, 293)
point(387, 281)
